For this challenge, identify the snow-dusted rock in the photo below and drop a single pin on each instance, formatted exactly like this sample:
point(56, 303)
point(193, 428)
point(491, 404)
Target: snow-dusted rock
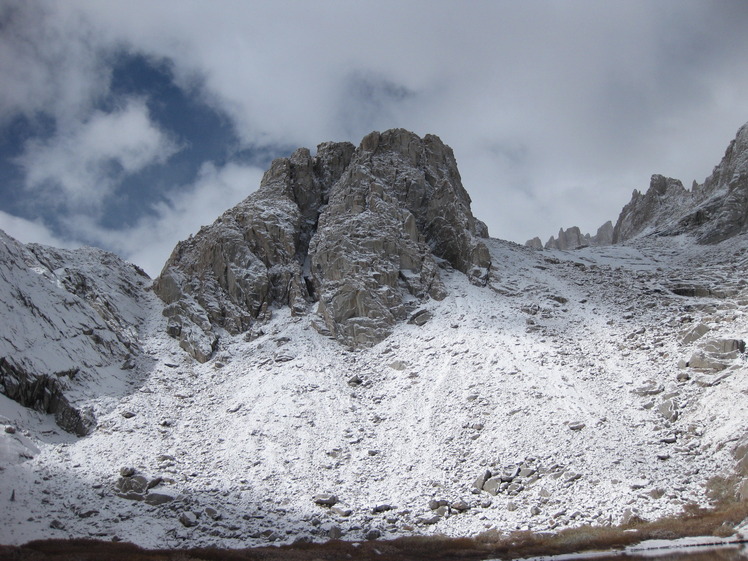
point(360, 232)
point(160, 496)
point(325, 499)
point(669, 410)
point(694, 333)
point(534, 243)
point(283, 412)
point(604, 235)
point(230, 273)
point(136, 484)
point(70, 319)
point(712, 212)
point(719, 209)
point(655, 208)
point(716, 354)
point(188, 519)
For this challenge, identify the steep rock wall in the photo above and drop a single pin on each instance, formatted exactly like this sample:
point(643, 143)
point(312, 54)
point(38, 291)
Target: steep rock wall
point(360, 231)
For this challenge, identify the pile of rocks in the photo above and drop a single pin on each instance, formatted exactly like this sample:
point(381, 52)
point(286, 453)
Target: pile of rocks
point(512, 479)
point(136, 487)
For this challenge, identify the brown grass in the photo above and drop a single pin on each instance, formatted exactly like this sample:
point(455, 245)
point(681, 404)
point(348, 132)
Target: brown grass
point(694, 521)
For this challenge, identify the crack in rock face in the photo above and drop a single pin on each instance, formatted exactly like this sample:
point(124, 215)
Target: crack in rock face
point(361, 232)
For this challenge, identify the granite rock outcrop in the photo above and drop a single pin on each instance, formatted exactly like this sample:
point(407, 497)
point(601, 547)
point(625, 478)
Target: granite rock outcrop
point(648, 211)
point(360, 232)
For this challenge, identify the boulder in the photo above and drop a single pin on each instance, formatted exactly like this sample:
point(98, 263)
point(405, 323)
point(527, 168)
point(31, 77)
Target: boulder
point(481, 479)
point(669, 410)
point(705, 361)
point(694, 333)
point(212, 513)
point(341, 511)
point(510, 473)
point(325, 499)
point(160, 496)
point(188, 519)
point(421, 317)
point(648, 388)
point(492, 486)
point(716, 354)
point(731, 347)
point(460, 505)
point(133, 484)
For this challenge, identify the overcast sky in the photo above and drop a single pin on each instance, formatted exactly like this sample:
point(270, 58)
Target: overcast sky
point(128, 125)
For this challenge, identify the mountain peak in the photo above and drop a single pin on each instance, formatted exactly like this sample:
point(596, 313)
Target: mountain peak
point(360, 233)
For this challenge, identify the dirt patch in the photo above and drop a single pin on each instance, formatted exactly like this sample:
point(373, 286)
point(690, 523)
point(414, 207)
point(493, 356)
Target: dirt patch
point(493, 544)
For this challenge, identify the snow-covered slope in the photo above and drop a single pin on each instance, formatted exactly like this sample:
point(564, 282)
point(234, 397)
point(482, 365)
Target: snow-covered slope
point(69, 327)
point(601, 384)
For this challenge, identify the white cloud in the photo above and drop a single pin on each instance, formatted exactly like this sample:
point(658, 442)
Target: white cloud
point(81, 166)
point(28, 231)
point(50, 60)
point(598, 95)
point(150, 241)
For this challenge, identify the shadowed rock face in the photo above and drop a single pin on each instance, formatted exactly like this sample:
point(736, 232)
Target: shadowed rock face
point(360, 231)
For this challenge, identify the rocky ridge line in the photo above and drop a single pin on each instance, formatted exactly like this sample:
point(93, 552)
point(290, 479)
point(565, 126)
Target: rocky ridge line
point(572, 238)
point(361, 232)
point(712, 211)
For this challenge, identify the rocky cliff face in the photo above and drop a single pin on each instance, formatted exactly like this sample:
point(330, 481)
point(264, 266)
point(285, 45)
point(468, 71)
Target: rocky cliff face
point(361, 232)
point(711, 212)
point(719, 207)
point(68, 316)
point(646, 212)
